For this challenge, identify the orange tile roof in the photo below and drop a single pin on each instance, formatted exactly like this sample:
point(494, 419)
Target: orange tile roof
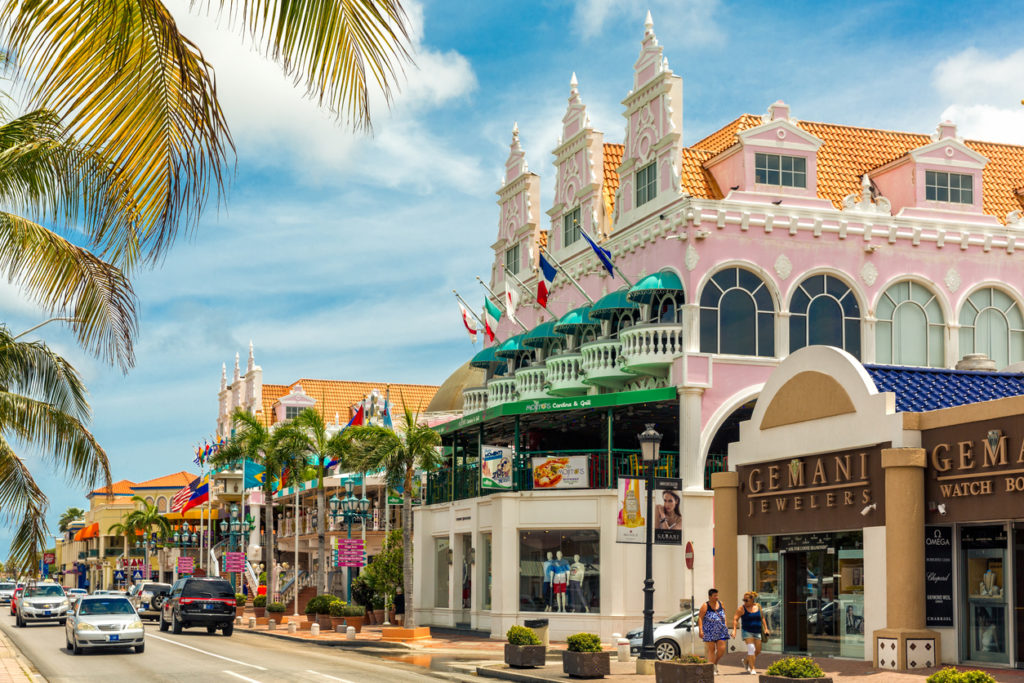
point(612, 160)
point(169, 481)
point(542, 239)
point(271, 392)
point(118, 488)
point(695, 179)
point(338, 396)
point(725, 137)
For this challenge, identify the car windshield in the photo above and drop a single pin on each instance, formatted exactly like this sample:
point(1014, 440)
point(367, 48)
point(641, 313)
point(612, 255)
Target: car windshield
point(157, 587)
point(43, 591)
point(6, 586)
point(675, 617)
point(208, 589)
point(106, 606)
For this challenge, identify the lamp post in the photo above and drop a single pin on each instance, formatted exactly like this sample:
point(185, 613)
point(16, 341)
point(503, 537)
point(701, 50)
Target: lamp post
point(232, 528)
point(350, 509)
point(650, 448)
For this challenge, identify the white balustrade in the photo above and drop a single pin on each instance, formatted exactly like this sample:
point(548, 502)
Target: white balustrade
point(565, 375)
point(650, 349)
point(603, 363)
point(501, 390)
point(474, 399)
point(530, 382)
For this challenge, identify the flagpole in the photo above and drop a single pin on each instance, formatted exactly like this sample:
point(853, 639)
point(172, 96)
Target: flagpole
point(502, 302)
point(528, 291)
point(566, 273)
point(617, 269)
point(469, 309)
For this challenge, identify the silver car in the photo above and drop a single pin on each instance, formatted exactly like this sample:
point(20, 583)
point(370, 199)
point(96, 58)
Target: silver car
point(104, 621)
point(149, 598)
point(671, 636)
point(6, 591)
point(42, 602)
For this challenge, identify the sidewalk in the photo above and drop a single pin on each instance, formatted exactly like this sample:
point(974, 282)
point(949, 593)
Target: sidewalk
point(14, 668)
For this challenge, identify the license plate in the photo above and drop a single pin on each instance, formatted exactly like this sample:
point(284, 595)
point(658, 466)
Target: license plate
point(113, 637)
point(210, 606)
point(46, 612)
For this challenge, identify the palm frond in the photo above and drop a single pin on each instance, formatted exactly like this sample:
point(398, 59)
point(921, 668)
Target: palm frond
point(23, 503)
point(31, 368)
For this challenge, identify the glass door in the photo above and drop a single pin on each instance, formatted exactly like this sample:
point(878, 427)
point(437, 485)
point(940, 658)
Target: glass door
point(794, 637)
point(822, 603)
point(1018, 592)
point(984, 559)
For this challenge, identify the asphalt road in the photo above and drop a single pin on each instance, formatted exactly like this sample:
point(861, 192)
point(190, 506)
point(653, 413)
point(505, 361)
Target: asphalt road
point(196, 656)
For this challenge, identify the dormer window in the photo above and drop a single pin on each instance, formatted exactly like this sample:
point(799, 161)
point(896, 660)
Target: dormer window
point(571, 227)
point(512, 259)
point(957, 188)
point(292, 412)
point(780, 170)
point(646, 183)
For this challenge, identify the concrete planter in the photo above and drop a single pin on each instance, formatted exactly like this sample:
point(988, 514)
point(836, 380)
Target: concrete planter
point(765, 678)
point(678, 672)
point(586, 664)
point(524, 656)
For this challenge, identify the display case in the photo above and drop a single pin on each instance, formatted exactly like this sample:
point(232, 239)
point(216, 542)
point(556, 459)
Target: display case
point(851, 603)
point(766, 583)
point(985, 617)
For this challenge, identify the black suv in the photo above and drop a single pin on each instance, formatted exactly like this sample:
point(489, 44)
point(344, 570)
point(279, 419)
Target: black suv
point(195, 601)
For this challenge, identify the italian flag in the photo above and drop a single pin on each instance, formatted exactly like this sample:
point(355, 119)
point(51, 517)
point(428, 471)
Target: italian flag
point(492, 314)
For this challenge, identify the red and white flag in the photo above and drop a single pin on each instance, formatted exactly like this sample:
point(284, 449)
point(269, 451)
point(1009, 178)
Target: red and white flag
point(511, 301)
point(468, 323)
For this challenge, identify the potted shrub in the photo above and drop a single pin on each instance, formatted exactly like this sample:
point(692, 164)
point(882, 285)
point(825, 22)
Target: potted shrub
point(275, 611)
point(354, 615)
point(378, 609)
point(585, 658)
point(789, 668)
point(337, 609)
point(684, 669)
point(318, 610)
point(523, 649)
point(259, 605)
point(953, 675)
point(239, 604)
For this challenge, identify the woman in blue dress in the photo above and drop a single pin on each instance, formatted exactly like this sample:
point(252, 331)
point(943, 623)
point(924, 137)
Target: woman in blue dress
point(712, 628)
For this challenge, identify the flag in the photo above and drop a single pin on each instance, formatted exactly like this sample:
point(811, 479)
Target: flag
point(465, 321)
point(200, 494)
point(182, 496)
point(548, 274)
point(492, 314)
point(356, 420)
point(387, 405)
point(602, 253)
point(511, 301)
point(198, 460)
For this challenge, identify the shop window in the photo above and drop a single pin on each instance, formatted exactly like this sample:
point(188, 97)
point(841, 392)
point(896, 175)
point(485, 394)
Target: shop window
point(984, 581)
point(824, 311)
point(991, 323)
point(484, 562)
point(442, 561)
point(559, 571)
point(910, 327)
point(737, 315)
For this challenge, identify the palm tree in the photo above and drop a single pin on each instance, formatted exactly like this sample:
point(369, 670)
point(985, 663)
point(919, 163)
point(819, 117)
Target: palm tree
point(142, 518)
point(42, 405)
point(68, 516)
point(400, 454)
point(307, 435)
point(252, 441)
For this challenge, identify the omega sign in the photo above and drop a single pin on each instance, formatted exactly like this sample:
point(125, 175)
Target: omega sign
point(812, 493)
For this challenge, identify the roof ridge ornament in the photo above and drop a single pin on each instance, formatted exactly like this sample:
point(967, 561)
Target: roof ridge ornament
point(869, 200)
point(648, 25)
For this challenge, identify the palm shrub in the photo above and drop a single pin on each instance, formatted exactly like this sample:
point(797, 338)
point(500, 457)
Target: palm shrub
point(520, 635)
point(795, 667)
point(584, 642)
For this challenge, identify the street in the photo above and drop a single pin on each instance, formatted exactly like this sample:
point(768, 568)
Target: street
point(195, 656)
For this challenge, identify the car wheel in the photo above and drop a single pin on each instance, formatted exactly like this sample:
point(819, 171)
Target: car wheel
point(163, 624)
point(211, 629)
point(665, 650)
point(229, 629)
point(75, 650)
point(175, 624)
point(139, 649)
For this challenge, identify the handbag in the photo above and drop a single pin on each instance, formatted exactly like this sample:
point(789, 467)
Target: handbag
point(764, 636)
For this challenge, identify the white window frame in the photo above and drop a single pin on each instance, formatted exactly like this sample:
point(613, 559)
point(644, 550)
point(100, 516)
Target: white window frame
point(805, 314)
point(885, 327)
point(571, 227)
point(797, 177)
point(940, 183)
point(512, 259)
point(646, 183)
point(979, 302)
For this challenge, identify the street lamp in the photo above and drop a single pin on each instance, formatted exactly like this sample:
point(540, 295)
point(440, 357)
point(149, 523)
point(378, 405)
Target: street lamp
point(232, 528)
point(650, 450)
point(350, 509)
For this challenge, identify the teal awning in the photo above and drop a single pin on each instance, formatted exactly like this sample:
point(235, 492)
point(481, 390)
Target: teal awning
point(610, 304)
point(536, 337)
point(486, 358)
point(662, 282)
point(511, 346)
point(576, 320)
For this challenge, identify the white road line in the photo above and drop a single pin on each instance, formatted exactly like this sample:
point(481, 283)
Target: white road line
point(205, 652)
point(244, 678)
point(332, 678)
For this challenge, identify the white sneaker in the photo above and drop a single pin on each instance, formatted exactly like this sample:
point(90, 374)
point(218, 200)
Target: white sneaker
point(753, 671)
point(716, 669)
point(746, 666)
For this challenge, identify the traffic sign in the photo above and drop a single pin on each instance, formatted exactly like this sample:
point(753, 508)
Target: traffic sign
point(185, 565)
point(119, 576)
point(49, 558)
point(137, 575)
point(688, 554)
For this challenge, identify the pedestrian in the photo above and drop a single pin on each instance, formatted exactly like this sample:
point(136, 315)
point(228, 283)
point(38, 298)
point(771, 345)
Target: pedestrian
point(753, 628)
point(399, 607)
point(712, 629)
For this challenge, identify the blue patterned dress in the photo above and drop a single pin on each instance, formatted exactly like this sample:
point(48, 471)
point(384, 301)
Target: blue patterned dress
point(714, 624)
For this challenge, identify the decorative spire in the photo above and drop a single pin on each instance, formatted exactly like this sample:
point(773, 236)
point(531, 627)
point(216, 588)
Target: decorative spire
point(515, 131)
point(573, 84)
point(648, 24)
point(223, 376)
point(252, 359)
point(236, 366)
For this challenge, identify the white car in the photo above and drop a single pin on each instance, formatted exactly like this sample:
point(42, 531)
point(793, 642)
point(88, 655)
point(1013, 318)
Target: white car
point(42, 602)
point(6, 591)
point(104, 621)
point(671, 636)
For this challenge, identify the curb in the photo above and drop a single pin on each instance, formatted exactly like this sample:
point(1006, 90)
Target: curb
point(345, 644)
point(505, 675)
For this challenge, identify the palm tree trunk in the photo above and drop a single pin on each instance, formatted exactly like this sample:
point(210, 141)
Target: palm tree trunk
point(410, 613)
point(268, 547)
point(321, 527)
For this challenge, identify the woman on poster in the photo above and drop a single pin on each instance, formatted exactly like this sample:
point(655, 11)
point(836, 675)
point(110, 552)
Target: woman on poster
point(667, 514)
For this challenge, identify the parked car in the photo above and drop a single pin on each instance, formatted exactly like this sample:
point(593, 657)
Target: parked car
point(104, 621)
point(7, 589)
point(14, 599)
point(670, 635)
point(199, 601)
point(74, 594)
point(42, 602)
point(823, 622)
point(149, 597)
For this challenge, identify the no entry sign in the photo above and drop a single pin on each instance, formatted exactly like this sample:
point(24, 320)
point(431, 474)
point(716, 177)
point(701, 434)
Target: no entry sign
point(688, 554)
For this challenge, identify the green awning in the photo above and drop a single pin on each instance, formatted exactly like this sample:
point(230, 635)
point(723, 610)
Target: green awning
point(662, 282)
point(610, 304)
point(576, 320)
point(536, 337)
point(511, 346)
point(486, 358)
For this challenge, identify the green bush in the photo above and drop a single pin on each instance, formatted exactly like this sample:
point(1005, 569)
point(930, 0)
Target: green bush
point(691, 659)
point(974, 676)
point(239, 598)
point(795, 667)
point(321, 604)
point(259, 601)
point(377, 602)
point(362, 592)
point(520, 635)
point(276, 607)
point(948, 675)
point(354, 611)
point(584, 642)
point(337, 608)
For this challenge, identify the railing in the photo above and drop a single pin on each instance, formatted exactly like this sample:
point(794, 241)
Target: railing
point(445, 484)
point(716, 462)
point(290, 587)
point(603, 363)
point(474, 399)
point(530, 382)
point(565, 375)
point(650, 349)
point(501, 390)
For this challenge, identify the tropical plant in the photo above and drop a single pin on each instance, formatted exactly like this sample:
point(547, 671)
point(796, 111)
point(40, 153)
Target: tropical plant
point(252, 441)
point(143, 518)
point(399, 454)
point(42, 405)
point(337, 608)
point(69, 516)
point(240, 599)
point(321, 604)
point(384, 573)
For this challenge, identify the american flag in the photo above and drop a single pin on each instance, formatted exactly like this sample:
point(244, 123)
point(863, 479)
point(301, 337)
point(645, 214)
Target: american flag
point(182, 496)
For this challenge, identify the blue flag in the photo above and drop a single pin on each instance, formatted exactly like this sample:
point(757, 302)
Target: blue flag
point(602, 253)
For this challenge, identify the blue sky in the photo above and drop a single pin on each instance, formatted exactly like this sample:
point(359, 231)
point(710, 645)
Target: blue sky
point(336, 252)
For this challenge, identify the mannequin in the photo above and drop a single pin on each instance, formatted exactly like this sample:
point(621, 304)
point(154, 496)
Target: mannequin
point(545, 591)
point(560, 580)
point(576, 572)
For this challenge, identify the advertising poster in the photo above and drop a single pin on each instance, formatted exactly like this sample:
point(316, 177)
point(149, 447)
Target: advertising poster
point(395, 494)
point(631, 522)
point(567, 472)
point(496, 472)
point(938, 579)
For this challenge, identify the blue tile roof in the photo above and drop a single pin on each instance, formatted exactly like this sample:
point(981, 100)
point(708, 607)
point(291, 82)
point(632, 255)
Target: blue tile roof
point(921, 389)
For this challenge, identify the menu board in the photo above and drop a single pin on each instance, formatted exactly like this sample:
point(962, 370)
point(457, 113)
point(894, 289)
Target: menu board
point(938, 570)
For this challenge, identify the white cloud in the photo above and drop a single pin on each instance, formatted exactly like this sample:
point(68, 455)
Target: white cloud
point(693, 20)
point(982, 101)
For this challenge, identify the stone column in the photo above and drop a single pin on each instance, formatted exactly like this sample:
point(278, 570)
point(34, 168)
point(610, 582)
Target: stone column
point(905, 643)
point(726, 487)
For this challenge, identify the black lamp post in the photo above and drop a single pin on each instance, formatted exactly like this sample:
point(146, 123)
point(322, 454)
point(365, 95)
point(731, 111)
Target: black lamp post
point(650, 448)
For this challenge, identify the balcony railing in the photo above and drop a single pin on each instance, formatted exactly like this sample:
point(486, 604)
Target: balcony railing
point(474, 399)
point(565, 375)
point(650, 349)
point(603, 364)
point(501, 390)
point(530, 383)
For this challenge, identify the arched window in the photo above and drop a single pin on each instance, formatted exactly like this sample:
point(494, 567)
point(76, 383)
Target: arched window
point(161, 504)
point(824, 311)
point(910, 328)
point(622, 320)
point(149, 500)
point(737, 315)
point(588, 335)
point(665, 309)
point(991, 323)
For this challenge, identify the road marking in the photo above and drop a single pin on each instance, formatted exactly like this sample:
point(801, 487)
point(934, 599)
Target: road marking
point(244, 678)
point(205, 652)
point(333, 678)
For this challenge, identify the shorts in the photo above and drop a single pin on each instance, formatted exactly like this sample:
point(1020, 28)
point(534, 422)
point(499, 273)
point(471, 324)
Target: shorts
point(558, 588)
point(747, 634)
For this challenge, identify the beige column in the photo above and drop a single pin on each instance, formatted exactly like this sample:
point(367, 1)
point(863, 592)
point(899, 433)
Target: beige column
point(726, 488)
point(905, 643)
